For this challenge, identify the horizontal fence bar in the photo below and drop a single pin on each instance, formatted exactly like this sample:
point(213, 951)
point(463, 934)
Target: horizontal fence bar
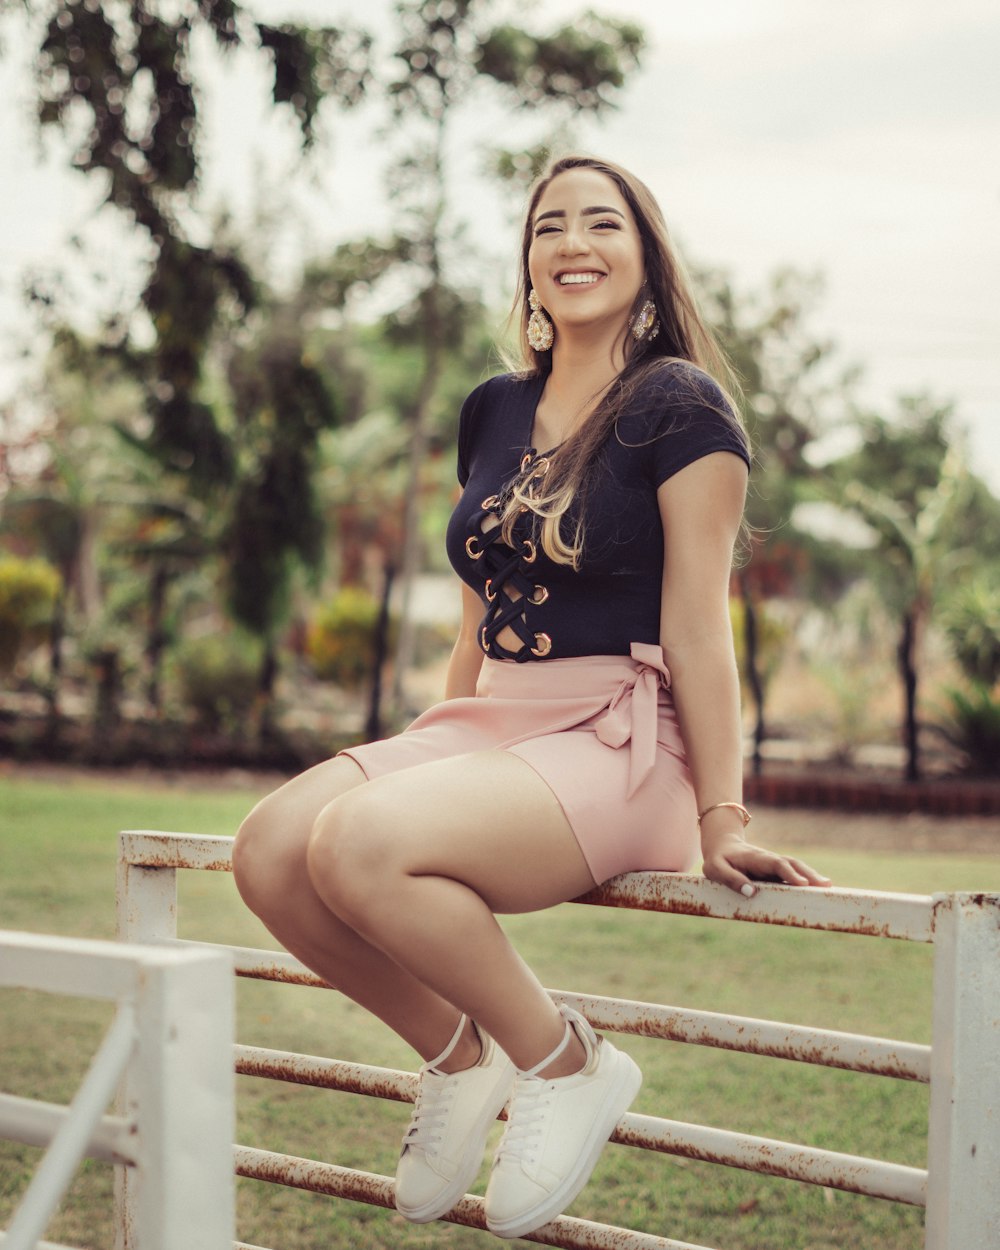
point(339, 1182)
point(337, 1074)
point(151, 848)
point(852, 1052)
point(828, 1168)
point(35, 1123)
point(851, 1173)
point(871, 913)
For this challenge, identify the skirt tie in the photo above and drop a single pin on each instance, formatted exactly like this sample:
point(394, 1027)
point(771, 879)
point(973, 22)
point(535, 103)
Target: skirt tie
point(633, 710)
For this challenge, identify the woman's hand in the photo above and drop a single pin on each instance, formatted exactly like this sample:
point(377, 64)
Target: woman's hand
point(733, 861)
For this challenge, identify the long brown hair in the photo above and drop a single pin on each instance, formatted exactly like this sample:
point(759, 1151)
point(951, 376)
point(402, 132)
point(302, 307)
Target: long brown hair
point(683, 336)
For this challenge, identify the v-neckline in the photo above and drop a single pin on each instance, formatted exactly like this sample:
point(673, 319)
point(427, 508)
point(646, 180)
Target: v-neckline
point(529, 439)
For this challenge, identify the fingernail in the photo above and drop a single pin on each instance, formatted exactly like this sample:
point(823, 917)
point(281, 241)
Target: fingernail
point(747, 890)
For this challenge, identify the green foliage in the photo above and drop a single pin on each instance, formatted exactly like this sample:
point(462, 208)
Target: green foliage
point(971, 619)
point(341, 638)
point(29, 590)
point(974, 728)
point(119, 80)
point(219, 677)
point(772, 639)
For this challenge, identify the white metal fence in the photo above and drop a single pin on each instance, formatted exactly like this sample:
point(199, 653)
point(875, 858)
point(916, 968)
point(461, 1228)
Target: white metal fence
point(167, 1053)
point(961, 1186)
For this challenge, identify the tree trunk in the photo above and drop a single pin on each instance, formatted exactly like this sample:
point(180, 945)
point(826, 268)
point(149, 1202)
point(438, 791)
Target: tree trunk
point(906, 657)
point(156, 639)
point(265, 690)
point(752, 667)
point(57, 631)
point(433, 363)
point(373, 727)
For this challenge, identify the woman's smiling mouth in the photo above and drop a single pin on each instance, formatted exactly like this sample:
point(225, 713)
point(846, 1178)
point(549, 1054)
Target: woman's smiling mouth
point(578, 278)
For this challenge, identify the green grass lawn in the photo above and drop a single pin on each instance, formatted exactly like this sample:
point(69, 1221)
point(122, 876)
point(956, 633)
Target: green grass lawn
point(57, 858)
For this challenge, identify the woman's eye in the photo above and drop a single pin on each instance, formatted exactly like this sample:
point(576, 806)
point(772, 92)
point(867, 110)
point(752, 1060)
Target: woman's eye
point(545, 230)
point(609, 225)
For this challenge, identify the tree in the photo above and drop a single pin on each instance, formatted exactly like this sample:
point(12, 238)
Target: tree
point(117, 80)
point(910, 484)
point(784, 373)
point(448, 55)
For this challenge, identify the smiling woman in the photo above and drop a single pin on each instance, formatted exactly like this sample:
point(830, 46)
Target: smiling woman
point(591, 722)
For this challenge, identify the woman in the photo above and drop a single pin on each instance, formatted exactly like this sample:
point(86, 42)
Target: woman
point(591, 724)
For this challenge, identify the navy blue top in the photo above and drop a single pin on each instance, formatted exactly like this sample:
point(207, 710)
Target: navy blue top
point(613, 599)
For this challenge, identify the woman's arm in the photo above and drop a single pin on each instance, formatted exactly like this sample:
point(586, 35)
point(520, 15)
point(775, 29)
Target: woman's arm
point(466, 656)
point(701, 508)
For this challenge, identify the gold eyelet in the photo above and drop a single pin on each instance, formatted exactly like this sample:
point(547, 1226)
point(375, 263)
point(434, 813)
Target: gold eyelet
point(525, 460)
point(532, 551)
point(543, 645)
point(539, 595)
point(474, 555)
point(490, 593)
point(542, 467)
point(482, 639)
point(489, 502)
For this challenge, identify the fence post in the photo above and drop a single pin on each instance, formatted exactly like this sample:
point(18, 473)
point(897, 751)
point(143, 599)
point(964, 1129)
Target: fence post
point(181, 1194)
point(146, 911)
point(963, 1145)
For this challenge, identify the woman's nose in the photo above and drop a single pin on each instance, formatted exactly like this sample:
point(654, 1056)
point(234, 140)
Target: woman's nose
point(573, 239)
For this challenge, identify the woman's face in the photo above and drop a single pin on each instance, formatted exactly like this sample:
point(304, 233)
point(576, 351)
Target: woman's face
point(585, 258)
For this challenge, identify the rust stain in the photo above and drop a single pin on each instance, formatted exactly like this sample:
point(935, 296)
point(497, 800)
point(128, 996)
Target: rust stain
point(286, 976)
point(764, 1160)
point(278, 1069)
point(164, 859)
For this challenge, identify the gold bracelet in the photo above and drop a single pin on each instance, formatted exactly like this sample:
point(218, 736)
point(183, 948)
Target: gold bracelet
point(736, 806)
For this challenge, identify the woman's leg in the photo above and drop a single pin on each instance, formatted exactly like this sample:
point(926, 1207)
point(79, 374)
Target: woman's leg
point(418, 861)
point(269, 866)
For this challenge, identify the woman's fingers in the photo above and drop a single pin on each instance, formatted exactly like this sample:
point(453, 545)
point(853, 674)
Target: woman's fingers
point(739, 867)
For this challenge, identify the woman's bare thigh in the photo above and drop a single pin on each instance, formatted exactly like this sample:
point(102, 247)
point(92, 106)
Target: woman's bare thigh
point(486, 819)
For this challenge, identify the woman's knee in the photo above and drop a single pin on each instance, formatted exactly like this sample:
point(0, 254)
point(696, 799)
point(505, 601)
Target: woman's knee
point(349, 855)
point(263, 854)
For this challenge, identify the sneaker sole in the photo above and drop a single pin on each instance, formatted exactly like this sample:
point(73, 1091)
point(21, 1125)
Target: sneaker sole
point(444, 1202)
point(618, 1100)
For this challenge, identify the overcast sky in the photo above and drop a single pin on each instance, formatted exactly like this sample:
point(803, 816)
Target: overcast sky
point(859, 138)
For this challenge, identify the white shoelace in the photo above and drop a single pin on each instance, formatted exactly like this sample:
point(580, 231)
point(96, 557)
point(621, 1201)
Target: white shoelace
point(534, 1095)
point(526, 1118)
point(430, 1112)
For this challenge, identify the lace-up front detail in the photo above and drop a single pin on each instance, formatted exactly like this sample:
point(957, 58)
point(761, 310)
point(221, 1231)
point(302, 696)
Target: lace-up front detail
point(509, 586)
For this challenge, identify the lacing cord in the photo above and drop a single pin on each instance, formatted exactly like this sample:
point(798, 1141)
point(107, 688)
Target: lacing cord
point(434, 1098)
point(508, 570)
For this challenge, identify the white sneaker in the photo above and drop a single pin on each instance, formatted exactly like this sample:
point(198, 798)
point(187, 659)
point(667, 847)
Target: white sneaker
point(556, 1130)
point(443, 1147)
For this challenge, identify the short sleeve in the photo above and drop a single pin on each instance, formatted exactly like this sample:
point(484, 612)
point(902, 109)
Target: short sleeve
point(689, 417)
point(466, 431)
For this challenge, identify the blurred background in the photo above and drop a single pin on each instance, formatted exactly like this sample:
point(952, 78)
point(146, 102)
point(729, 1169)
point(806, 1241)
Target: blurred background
point(253, 256)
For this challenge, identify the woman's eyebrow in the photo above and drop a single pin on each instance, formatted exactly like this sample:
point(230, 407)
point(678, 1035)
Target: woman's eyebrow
point(586, 212)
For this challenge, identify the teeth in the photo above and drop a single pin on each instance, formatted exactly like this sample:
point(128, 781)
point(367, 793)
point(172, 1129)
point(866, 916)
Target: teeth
point(576, 279)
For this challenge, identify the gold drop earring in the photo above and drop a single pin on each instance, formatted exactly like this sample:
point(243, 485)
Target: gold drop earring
point(645, 324)
point(541, 332)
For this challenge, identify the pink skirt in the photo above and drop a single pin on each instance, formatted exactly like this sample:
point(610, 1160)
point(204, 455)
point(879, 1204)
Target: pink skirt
point(601, 731)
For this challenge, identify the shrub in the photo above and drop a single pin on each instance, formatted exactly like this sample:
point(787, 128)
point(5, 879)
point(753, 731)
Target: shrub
point(219, 677)
point(341, 639)
point(974, 728)
point(29, 590)
point(971, 620)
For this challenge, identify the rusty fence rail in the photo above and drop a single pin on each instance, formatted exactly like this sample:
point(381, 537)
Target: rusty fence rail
point(962, 1065)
